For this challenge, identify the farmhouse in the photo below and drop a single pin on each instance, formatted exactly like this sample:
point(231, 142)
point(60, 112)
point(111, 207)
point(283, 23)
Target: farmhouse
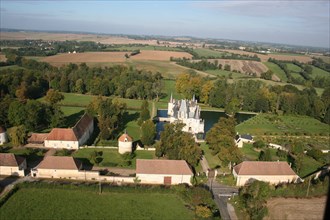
point(37, 138)
point(71, 138)
point(244, 138)
point(62, 167)
point(168, 172)
point(12, 165)
point(267, 171)
point(188, 113)
point(125, 144)
point(3, 136)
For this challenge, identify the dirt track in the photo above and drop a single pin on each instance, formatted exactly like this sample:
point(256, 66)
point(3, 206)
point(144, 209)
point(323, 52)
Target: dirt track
point(281, 208)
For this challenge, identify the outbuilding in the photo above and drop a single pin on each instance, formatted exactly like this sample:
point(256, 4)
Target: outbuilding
point(3, 135)
point(125, 144)
point(168, 172)
point(12, 165)
point(274, 172)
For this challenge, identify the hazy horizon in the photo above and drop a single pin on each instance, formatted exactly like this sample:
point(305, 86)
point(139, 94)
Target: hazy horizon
point(304, 23)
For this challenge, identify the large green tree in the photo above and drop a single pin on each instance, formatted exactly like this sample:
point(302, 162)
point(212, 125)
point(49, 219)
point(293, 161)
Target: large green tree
point(178, 145)
point(148, 133)
point(145, 113)
point(53, 96)
point(17, 135)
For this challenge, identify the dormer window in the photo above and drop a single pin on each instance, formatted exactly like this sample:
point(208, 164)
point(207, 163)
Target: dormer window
point(125, 140)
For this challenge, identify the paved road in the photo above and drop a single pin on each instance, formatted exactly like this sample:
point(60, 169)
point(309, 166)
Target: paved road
point(205, 164)
point(221, 193)
point(9, 182)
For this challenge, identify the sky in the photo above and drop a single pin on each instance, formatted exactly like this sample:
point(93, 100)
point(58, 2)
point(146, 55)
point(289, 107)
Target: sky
point(304, 22)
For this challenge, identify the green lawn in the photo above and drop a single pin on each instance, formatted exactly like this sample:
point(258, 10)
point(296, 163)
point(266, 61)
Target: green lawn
point(319, 72)
point(280, 125)
point(224, 73)
point(168, 89)
point(308, 166)
point(250, 153)
point(56, 203)
point(69, 110)
point(111, 157)
point(75, 99)
point(208, 52)
point(293, 68)
point(276, 70)
point(213, 160)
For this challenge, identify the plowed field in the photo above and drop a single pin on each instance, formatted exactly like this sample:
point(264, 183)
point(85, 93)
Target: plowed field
point(103, 57)
point(293, 209)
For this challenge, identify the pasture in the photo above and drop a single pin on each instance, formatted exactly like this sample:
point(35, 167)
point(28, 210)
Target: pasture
point(280, 125)
point(277, 71)
point(224, 73)
point(203, 52)
point(319, 72)
point(80, 203)
point(111, 157)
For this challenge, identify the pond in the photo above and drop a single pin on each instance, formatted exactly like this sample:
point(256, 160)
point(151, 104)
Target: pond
point(209, 117)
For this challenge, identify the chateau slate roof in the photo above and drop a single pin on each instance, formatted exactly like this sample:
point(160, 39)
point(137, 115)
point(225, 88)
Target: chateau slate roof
point(10, 160)
point(124, 136)
point(264, 168)
point(59, 163)
point(175, 167)
point(247, 136)
point(81, 126)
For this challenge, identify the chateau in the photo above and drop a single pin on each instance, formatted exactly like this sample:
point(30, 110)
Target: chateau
point(187, 112)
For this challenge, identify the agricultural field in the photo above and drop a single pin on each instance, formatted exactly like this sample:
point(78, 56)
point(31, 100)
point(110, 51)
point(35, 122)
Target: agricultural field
point(243, 66)
point(292, 208)
point(202, 52)
point(264, 57)
point(280, 125)
point(77, 203)
point(111, 157)
point(3, 58)
point(224, 73)
point(319, 72)
point(277, 71)
point(293, 68)
point(102, 57)
point(143, 47)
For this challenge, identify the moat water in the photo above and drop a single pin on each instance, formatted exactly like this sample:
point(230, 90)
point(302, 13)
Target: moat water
point(209, 117)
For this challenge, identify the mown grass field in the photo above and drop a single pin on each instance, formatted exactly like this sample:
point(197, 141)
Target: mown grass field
point(281, 125)
point(224, 73)
point(319, 72)
point(293, 68)
point(41, 203)
point(250, 153)
point(207, 52)
point(277, 71)
point(111, 157)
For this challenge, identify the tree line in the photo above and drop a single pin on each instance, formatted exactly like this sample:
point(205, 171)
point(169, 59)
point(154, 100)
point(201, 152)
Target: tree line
point(256, 96)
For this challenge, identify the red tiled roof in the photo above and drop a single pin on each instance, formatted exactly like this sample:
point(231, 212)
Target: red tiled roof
point(71, 134)
point(177, 167)
point(264, 168)
point(38, 138)
point(124, 136)
point(62, 134)
point(59, 163)
point(81, 126)
point(10, 160)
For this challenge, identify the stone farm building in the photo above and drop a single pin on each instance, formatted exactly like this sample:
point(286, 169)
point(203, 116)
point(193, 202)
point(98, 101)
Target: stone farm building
point(168, 172)
point(125, 144)
point(12, 165)
point(62, 167)
point(268, 171)
point(71, 138)
point(188, 113)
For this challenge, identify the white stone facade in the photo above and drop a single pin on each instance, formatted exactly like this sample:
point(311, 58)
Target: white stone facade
point(13, 170)
point(62, 144)
point(188, 113)
point(125, 147)
point(159, 178)
point(3, 138)
point(241, 180)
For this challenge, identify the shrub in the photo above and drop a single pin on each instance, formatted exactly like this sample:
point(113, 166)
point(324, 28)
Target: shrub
point(259, 144)
point(203, 211)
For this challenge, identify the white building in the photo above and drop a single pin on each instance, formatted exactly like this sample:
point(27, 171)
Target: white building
point(125, 144)
point(71, 138)
point(244, 138)
point(267, 171)
point(188, 113)
point(168, 172)
point(62, 168)
point(3, 136)
point(12, 165)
